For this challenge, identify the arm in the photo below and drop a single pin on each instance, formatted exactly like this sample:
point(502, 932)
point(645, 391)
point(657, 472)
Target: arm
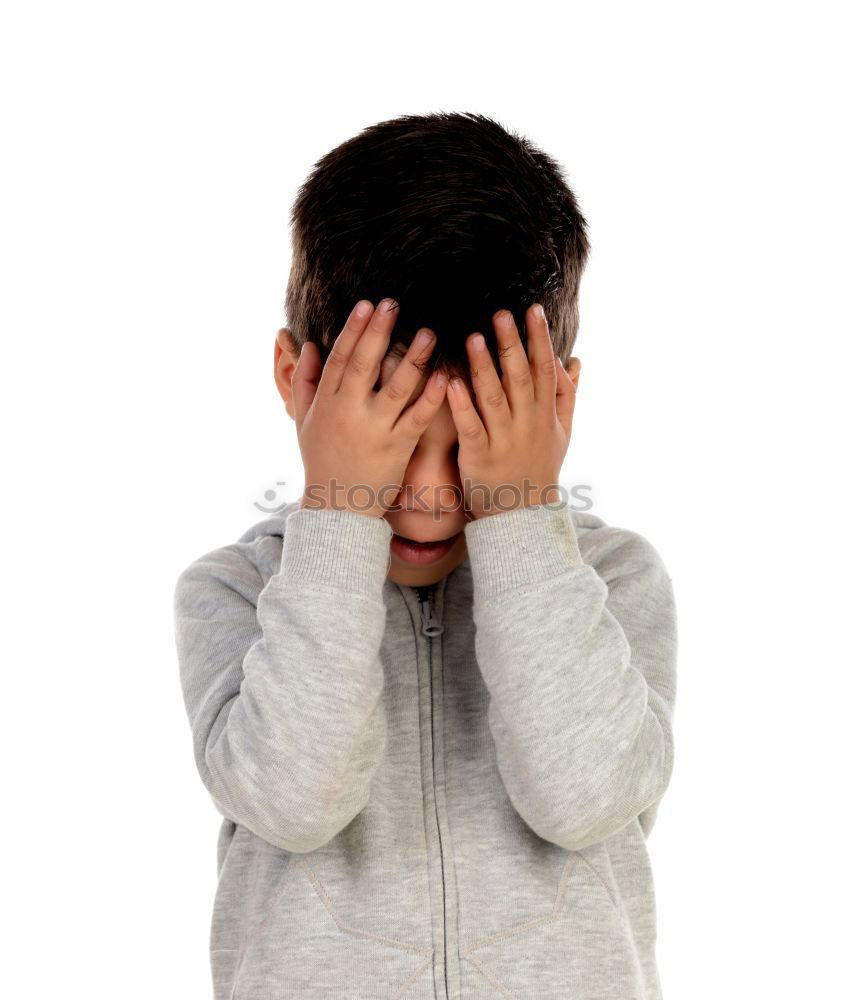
point(283, 684)
point(579, 659)
point(580, 666)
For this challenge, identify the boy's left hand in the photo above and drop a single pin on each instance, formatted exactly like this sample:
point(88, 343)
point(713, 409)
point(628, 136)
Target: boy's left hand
point(510, 449)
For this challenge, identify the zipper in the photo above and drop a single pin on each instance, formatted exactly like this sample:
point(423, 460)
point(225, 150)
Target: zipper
point(430, 627)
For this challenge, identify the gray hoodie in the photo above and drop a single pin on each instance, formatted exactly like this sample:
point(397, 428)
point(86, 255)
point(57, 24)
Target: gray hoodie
point(438, 793)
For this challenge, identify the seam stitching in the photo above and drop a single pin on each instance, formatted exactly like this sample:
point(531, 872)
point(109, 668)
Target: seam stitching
point(533, 922)
point(491, 978)
point(414, 975)
point(603, 882)
point(367, 935)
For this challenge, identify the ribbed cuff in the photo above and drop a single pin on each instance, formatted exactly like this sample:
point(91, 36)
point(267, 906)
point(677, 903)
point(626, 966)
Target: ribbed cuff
point(519, 547)
point(336, 548)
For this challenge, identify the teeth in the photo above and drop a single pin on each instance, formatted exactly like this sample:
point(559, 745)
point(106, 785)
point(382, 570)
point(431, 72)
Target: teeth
point(413, 541)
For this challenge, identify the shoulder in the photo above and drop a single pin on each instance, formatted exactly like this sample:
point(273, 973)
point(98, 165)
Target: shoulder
point(237, 572)
point(639, 588)
point(616, 552)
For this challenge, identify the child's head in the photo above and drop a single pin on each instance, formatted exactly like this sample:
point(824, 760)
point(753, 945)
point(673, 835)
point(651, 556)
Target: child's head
point(455, 218)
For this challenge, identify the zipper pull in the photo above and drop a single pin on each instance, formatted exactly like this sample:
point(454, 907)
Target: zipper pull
point(431, 625)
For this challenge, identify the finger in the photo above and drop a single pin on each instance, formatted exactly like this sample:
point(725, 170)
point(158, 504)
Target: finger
point(305, 380)
point(491, 400)
point(541, 357)
point(517, 377)
point(405, 378)
point(565, 396)
point(420, 414)
point(342, 349)
point(365, 361)
point(471, 430)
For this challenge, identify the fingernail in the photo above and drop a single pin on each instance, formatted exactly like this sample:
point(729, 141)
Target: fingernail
point(440, 379)
point(454, 384)
point(424, 337)
point(477, 342)
point(538, 310)
point(362, 308)
point(385, 305)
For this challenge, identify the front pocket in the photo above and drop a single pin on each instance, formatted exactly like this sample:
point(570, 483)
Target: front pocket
point(303, 948)
point(580, 948)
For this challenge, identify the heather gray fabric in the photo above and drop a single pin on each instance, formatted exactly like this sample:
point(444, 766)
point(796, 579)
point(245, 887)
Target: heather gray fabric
point(456, 815)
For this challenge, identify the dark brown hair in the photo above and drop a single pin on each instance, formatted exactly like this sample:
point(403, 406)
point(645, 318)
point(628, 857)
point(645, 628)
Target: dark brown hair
point(450, 214)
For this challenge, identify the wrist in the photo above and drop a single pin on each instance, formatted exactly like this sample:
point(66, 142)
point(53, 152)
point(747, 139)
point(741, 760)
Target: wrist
point(335, 495)
point(313, 503)
point(511, 500)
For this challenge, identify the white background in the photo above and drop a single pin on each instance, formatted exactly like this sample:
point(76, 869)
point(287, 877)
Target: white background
point(152, 152)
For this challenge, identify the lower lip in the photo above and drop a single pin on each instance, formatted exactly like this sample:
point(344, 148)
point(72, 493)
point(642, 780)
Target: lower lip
point(423, 554)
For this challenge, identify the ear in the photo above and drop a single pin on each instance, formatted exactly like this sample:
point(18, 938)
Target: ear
point(574, 366)
point(286, 354)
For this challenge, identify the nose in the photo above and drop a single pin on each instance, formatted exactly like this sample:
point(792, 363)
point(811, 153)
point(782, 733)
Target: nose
point(431, 483)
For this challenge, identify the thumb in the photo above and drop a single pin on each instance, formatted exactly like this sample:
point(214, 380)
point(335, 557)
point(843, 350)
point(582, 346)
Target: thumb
point(305, 380)
point(565, 397)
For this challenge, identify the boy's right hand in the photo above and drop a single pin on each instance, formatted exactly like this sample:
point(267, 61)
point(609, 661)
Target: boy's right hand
point(350, 436)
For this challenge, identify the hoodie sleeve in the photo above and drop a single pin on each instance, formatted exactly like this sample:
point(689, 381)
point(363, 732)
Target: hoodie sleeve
point(580, 663)
point(283, 683)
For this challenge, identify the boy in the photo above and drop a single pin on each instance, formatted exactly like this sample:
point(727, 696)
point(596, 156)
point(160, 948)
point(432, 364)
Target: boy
point(431, 702)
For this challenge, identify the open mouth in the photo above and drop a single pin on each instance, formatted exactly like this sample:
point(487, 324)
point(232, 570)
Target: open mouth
point(422, 553)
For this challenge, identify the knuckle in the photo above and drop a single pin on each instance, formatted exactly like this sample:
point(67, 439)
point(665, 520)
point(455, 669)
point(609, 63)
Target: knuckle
point(419, 418)
point(357, 365)
point(523, 378)
point(496, 399)
point(394, 391)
